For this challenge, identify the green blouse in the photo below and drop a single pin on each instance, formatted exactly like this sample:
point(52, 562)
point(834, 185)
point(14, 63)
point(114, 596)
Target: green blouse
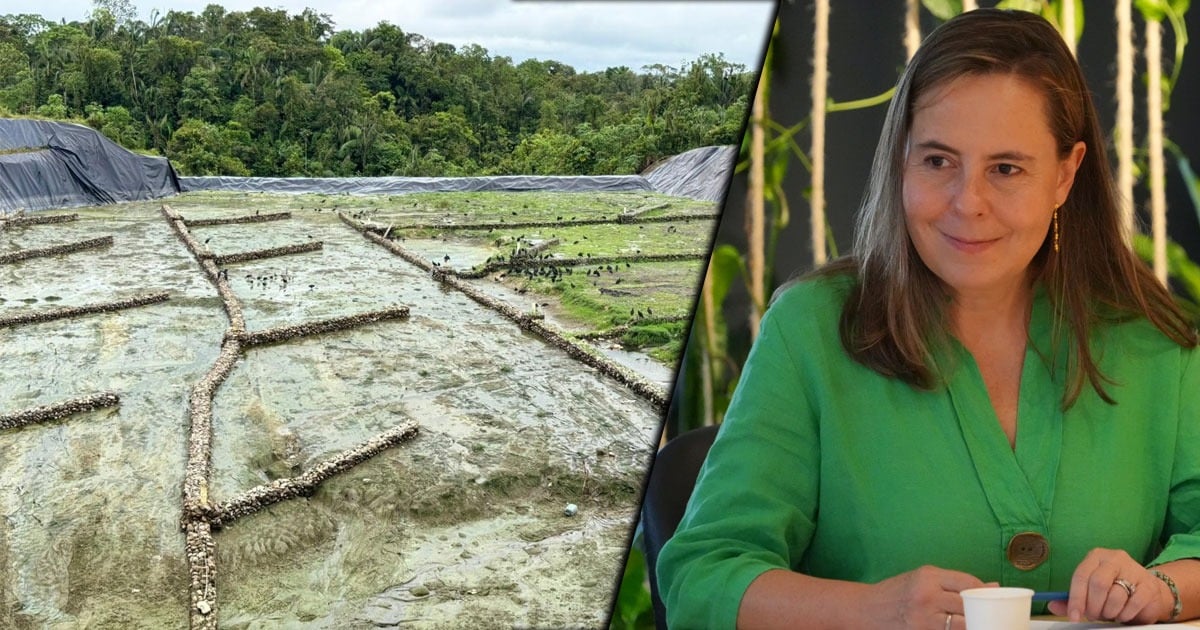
point(826, 467)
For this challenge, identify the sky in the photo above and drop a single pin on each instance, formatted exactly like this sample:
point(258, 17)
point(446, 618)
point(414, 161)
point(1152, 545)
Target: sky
point(587, 35)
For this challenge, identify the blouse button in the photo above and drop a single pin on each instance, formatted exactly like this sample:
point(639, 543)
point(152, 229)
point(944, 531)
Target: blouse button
point(1028, 550)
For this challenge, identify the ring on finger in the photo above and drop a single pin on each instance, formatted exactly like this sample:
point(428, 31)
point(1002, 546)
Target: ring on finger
point(949, 617)
point(1130, 588)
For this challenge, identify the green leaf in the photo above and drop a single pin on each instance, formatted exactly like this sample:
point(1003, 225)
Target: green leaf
point(1179, 266)
point(634, 609)
point(776, 167)
point(943, 9)
point(1052, 11)
point(1183, 268)
point(1190, 180)
point(1078, 20)
point(725, 266)
point(1153, 10)
point(1032, 6)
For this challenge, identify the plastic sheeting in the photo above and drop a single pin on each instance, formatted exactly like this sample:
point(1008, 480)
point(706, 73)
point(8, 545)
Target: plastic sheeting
point(697, 174)
point(400, 185)
point(701, 174)
point(73, 165)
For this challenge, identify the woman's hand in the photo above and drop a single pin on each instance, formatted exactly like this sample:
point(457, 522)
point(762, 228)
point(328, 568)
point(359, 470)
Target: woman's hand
point(1100, 591)
point(923, 598)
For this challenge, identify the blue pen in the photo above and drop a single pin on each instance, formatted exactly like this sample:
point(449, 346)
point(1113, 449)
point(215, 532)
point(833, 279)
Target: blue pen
point(1051, 596)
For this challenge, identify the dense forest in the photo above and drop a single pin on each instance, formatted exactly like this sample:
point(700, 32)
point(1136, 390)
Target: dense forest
point(266, 93)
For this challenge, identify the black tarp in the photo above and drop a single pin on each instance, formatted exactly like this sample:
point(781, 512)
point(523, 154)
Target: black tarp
point(697, 174)
point(400, 185)
point(51, 164)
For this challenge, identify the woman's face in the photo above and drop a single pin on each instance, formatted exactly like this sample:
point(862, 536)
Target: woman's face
point(981, 179)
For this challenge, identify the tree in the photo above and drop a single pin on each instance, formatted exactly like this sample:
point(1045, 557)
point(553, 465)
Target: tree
point(16, 78)
point(117, 124)
point(200, 148)
point(201, 96)
point(549, 152)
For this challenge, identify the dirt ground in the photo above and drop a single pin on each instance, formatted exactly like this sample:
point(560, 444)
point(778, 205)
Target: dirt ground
point(466, 525)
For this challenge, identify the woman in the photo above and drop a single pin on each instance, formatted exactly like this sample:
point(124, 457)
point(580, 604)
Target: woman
point(991, 390)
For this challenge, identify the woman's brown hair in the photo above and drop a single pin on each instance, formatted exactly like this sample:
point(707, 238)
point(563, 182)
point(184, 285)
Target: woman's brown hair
point(896, 313)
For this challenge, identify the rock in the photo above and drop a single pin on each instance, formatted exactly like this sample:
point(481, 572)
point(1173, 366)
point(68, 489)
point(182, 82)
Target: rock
point(570, 510)
point(419, 590)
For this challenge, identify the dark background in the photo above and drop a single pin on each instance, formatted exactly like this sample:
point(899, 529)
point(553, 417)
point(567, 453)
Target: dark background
point(866, 56)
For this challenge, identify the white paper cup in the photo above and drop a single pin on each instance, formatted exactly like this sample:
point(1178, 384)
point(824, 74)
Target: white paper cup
point(1003, 608)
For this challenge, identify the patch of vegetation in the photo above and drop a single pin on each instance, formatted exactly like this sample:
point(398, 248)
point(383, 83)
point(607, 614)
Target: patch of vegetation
point(22, 150)
point(651, 335)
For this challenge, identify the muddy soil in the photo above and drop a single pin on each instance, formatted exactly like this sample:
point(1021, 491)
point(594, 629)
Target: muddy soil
point(463, 526)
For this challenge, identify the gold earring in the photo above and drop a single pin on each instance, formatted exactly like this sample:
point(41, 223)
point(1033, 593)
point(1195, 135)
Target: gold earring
point(1056, 227)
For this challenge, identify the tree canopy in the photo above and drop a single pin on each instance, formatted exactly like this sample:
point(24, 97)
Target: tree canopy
point(268, 93)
